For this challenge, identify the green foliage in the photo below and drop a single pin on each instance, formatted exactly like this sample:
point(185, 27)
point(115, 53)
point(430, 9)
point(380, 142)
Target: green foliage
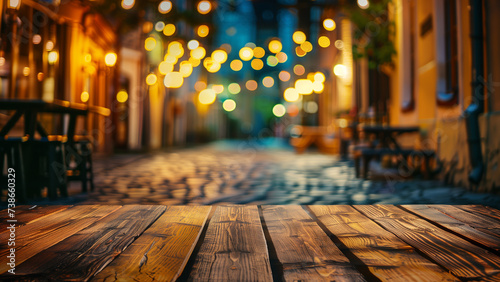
point(373, 33)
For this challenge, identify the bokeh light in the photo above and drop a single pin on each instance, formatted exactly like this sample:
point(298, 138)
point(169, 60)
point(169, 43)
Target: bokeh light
point(52, 57)
point(311, 107)
point(165, 67)
point(84, 97)
point(329, 24)
point(185, 68)
point(159, 26)
point(291, 94)
point(306, 46)
point(257, 64)
point(151, 79)
point(282, 57)
point(128, 4)
point(204, 7)
point(268, 81)
point(299, 37)
point(149, 43)
point(173, 80)
point(200, 85)
point(323, 41)
point(236, 65)
point(259, 52)
point(304, 86)
point(203, 30)
point(207, 96)
point(279, 110)
point(26, 71)
point(220, 56)
point(272, 61)
point(169, 29)
point(110, 59)
point(340, 70)
point(284, 75)
point(246, 53)
point(122, 96)
point(193, 44)
point(251, 85)
point(299, 69)
point(275, 46)
point(300, 52)
point(218, 88)
point(229, 105)
point(198, 53)
point(318, 87)
point(165, 6)
point(363, 4)
point(320, 77)
point(234, 88)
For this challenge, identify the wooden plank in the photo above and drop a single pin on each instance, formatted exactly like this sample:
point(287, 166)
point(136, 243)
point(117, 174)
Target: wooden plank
point(462, 258)
point(41, 234)
point(460, 227)
point(385, 255)
point(478, 221)
point(25, 214)
point(83, 254)
point(478, 209)
point(163, 250)
point(303, 248)
point(234, 247)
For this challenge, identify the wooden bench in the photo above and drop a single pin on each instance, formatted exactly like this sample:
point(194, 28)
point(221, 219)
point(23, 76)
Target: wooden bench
point(363, 155)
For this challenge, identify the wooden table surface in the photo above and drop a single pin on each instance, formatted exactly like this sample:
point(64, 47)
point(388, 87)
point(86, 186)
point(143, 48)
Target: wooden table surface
point(254, 243)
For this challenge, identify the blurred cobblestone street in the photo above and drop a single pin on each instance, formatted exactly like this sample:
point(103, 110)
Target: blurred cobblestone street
point(208, 175)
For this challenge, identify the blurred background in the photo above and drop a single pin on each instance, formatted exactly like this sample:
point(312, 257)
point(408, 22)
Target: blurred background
point(305, 75)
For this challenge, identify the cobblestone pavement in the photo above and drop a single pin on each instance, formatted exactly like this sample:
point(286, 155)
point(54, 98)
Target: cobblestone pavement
point(207, 175)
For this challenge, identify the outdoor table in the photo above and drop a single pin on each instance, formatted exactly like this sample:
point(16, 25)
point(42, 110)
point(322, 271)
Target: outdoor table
point(386, 134)
point(252, 243)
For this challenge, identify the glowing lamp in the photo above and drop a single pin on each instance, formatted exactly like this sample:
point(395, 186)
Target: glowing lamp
point(173, 80)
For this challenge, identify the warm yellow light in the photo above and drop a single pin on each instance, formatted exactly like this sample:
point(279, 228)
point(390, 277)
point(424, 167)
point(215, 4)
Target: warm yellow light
point(311, 107)
point(175, 48)
point(299, 69)
point(291, 94)
point(236, 65)
point(87, 58)
point(340, 70)
point(49, 45)
point(14, 4)
point(268, 81)
point(169, 29)
point(343, 123)
point(203, 30)
point(122, 96)
point(339, 44)
point(147, 27)
point(272, 61)
point(173, 80)
point(193, 44)
point(251, 85)
point(211, 65)
point(284, 76)
point(234, 88)
point(37, 39)
point(26, 71)
point(2, 61)
point(275, 46)
point(329, 24)
point(318, 87)
point(363, 4)
point(151, 79)
point(185, 68)
point(149, 43)
point(323, 41)
point(304, 86)
point(218, 88)
point(198, 53)
point(259, 52)
point(282, 57)
point(128, 4)
point(279, 110)
point(52, 57)
point(229, 105)
point(171, 59)
point(319, 76)
point(204, 7)
point(40, 76)
point(200, 85)
point(257, 64)
point(207, 96)
point(194, 62)
point(165, 67)
point(84, 97)
point(299, 37)
point(220, 56)
point(306, 46)
point(165, 6)
point(246, 53)
point(300, 52)
point(159, 26)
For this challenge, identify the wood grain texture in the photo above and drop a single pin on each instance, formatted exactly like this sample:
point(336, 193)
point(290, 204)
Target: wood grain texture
point(163, 250)
point(479, 209)
point(464, 229)
point(234, 247)
point(80, 256)
point(303, 248)
point(385, 255)
point(462, 258)
point(25, 214)
point(39, 235)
